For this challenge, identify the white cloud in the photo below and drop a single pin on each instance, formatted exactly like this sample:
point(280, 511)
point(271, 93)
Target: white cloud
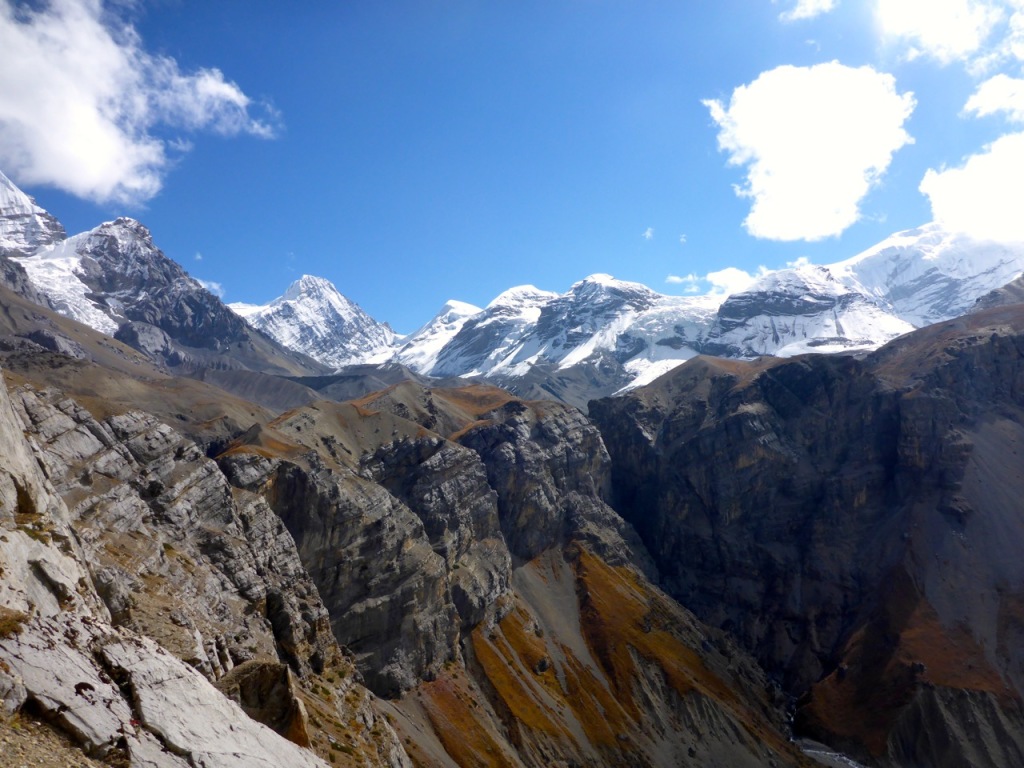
point(721, 283)
point(980, 197)
point(212, 286)
point(730, 280)
point(692, 283)
point(199, 256)
point(946, 30)
point(998, 94)
point(648, 234)
point(80, 102)
point(808, 9)
point(682, 239)
point(814, 141)
point(682, 280)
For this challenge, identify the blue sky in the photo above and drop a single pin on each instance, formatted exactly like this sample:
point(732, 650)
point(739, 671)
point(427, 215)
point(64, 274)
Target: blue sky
point(413, 152)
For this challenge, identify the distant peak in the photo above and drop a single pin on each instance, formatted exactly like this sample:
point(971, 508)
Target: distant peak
point(126, 222)
point(454, 307)
point(521, 294)
point(601, 282)
point(310, 285)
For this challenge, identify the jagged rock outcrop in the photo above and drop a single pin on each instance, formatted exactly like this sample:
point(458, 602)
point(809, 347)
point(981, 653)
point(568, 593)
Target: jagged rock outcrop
point(551, 473)
point(267, 692)
point(148, 505)
point(851, 523)
point(124, 554)
point(385, 587)
point(445, 485)
point(485, 535)
point(121, 697)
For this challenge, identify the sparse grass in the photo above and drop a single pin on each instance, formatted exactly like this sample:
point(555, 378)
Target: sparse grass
point(11, 622)
point(461, 733)
point(518, 693)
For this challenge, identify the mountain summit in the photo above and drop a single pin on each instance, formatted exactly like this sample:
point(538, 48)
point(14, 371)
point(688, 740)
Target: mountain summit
point(313, 317)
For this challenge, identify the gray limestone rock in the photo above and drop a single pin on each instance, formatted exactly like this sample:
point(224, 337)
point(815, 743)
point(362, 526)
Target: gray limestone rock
point(384, 585)
point(161, 525)
point(120, 694)
point(445, 485)
point(551, 473)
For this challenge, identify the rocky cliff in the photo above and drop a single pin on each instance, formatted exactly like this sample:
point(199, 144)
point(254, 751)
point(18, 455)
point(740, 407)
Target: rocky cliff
point(855, 525)
point(463, 545)
point(133, 576)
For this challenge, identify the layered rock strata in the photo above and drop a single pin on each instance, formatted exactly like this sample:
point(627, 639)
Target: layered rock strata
point(854, 524)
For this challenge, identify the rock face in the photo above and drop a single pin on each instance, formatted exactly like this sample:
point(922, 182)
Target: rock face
point(464, 548)
point(384, 585)
point(851, 523)
point(77, 670)
point(141, 495)
point(133, 575)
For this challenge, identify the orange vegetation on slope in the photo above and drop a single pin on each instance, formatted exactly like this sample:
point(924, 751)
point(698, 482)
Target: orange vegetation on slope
point(551, 699)
point(623, 616)
point(475, 399)
point(886, 661)
point(265, 442)
point(456, 717)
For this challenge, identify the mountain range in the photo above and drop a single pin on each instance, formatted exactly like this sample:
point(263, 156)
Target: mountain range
point(285, 535)
point(620, 335)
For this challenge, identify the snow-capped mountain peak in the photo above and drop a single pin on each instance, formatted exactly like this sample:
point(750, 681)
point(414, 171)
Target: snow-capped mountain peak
point(802, 309)
point(92, 276)
point(929, 273)
point(24, 226)
point(420, 349)
point(520, 297)
point(313, 317)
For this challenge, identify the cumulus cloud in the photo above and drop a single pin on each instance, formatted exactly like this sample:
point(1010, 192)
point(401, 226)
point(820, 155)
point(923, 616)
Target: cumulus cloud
point(979, 197)
point(998, 94)
point(808, 9)
point(82, 102)
point(648, 234)
point(945, 30)
point(813, 140)
point(721, 283)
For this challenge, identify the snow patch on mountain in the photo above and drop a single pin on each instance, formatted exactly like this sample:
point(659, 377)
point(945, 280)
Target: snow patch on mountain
point(420, 349)
point(929, 274)
point(488, 339)
point(56, 272)
point(24, 226)
point(314, 318)
point(801, 309)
